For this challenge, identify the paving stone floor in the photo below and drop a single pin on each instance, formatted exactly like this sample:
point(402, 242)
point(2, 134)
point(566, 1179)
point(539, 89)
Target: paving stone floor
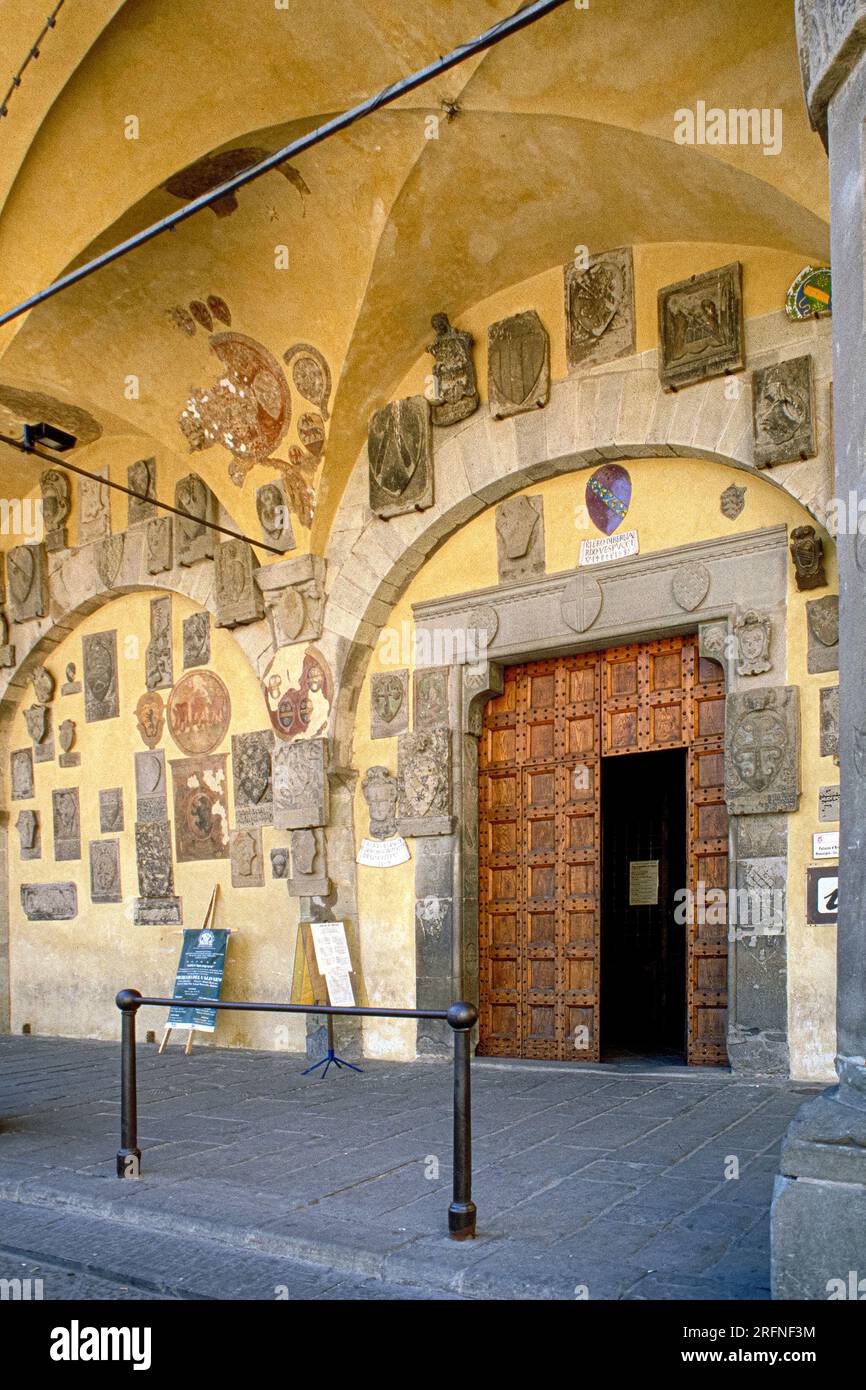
point(606, 1183)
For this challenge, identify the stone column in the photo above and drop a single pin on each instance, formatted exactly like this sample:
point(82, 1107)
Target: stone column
point(819, 1205)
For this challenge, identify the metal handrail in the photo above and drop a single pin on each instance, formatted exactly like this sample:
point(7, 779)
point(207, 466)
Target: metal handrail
point(461, 1018)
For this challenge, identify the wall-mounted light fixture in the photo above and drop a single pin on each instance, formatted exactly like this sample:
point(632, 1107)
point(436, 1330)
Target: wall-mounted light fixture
point(50, 437)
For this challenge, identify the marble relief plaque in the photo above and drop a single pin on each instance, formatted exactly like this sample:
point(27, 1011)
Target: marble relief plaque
point(21, 773)
point(380, 793)
point(49, 902)
point(158, 667)
point(29, 835)
point(67, 823)
point(196, 640)
point(56, 506)
point(455, 392)
point(829, 720)
point(783, 412)
point(158, 544)
point(275, 516)
point(280, 862)
point(101, 694)
point(110, 810)
point(105, 871)
point(247, 860)
point(251, 768)
point(309, 876)
point(94, 508)
point(150, 786)
point(201, 821)
point(300, 784)
point(701, 327)
point(431, 697)
point(141, 479)
point(762, 746)
point(153, 859)
point(238, 597)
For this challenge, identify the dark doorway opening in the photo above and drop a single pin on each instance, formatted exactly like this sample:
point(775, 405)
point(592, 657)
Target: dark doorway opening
point(643, 950)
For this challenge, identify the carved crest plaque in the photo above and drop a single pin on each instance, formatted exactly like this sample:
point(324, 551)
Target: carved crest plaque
point(807, 552)
point(251, 767)
point(199, 710)
point(193, 538)
point(49, 902)
point(701, 327)
point(238, 597)
point(56, 506)
point(424, 783)
point(732, 501)
point(109, 558)
point(43, 684)
point(28, 589)
point(456, 394)
point(94, 508)
point(599, 309)
point(762, 740)
point(690, 586)
point(150, 717)
point(400, 449)
point(201, 823)
point(822, 620)
point(389, 703)
point(66, 734)
point(309, 876)
point(380, 793)
point(67, 823)
point(275, 516)
point(783, 412)
point(29, 835)
point(829, 721)
point(753, 632)
point(520, 537)
point(153, 858)
point(101, 697)
point(518, 357)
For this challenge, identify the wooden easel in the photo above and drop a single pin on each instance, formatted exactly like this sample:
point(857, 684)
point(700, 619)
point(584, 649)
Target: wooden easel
point(208, 917)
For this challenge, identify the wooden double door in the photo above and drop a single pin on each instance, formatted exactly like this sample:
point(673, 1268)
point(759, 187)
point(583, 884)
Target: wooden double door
point(542, 759)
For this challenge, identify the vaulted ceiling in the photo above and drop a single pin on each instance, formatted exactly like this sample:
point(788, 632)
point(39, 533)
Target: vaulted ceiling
point(562, 135)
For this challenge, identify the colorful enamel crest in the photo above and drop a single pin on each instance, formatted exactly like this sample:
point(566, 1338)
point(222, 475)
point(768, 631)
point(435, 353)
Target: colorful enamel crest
point(811, 294)
point(608, 494)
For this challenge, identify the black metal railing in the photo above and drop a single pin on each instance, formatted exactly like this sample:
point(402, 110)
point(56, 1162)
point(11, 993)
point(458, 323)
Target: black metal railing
point(461, 1017)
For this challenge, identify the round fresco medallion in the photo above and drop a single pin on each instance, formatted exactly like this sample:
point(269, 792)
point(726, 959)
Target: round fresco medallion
point(199, 710)
point(608, 494)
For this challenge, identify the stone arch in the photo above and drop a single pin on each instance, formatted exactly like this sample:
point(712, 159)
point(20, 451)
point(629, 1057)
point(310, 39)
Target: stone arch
point(77, 585)
point(618, 411)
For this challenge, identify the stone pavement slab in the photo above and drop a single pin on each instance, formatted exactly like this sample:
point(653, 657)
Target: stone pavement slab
point(593, 1182)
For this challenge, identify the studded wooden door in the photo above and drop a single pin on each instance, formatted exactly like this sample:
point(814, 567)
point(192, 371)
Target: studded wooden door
point(539, 840)
point(539, 862)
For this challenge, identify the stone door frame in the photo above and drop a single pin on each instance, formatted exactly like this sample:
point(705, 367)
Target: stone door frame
point(537, 619)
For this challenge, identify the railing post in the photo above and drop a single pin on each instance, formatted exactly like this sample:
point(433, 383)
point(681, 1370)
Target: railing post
point(129, 1154)
point(461, 1212)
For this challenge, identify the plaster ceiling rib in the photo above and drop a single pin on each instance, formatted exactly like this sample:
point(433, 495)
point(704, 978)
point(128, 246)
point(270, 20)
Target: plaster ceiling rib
point(523, 17)
point(63, 463)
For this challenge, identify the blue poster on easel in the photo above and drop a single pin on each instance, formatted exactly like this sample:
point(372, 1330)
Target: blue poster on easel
point(200, 972)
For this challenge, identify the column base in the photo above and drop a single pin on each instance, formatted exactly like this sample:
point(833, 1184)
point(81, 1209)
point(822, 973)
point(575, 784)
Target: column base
point(818, 1216)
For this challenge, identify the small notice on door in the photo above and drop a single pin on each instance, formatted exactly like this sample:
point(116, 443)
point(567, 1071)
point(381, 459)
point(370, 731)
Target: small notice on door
point(643, 883)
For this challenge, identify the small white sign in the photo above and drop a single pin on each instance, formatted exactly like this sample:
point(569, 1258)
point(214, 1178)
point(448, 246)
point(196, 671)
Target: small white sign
point(643, 883)
point(601, 549)
point(825, 844)
point(383, 854)
point(331, 947)
point(340, 992)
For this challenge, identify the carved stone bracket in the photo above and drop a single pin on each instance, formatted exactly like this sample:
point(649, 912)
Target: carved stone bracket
point(294, 597)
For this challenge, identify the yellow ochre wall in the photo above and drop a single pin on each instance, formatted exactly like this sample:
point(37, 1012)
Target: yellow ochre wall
point(64, 975)
point(674, 501)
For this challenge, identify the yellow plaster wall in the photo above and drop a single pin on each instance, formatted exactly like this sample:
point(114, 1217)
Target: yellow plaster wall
point(674, 502)
point(65, 974)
